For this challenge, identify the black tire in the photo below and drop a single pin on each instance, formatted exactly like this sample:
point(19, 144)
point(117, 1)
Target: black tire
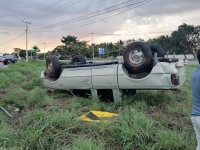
point(157, 49)
point(5, 62)
point(78, 59)
point(53, 65)
point(137, 56)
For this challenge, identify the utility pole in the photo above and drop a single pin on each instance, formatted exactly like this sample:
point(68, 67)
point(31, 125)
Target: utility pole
point(44, 50)
point(26, 39)
point(92, 46)
point(119, 49)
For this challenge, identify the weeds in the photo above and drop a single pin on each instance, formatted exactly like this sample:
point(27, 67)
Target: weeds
point(16, 97)
point(168, 139)
point(4, 134)
point(86, 144)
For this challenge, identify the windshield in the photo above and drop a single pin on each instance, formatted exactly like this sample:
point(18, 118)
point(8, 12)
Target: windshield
point(8, 56)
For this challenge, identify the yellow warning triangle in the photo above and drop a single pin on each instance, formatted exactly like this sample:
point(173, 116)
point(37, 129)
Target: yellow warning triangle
point(97, 116)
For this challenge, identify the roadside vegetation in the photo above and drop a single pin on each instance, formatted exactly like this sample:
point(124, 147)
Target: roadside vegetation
point(46, 119)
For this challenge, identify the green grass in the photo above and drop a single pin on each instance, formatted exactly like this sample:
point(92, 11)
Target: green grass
point(45, 119)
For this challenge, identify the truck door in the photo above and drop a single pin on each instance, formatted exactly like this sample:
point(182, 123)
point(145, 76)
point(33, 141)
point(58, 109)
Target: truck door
point(77, 78)
point(104, 77)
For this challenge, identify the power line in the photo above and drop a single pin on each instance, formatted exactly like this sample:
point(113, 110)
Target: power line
point(86, 35)
point(94, 14)
point(13, 39)
point(4, 37)
point(78, 11)
point(58, 9)
point(30, 17)
point(103, 18)
point(97, 20)
point(44, 9)
point(107, 10)
point(37, 13)
point(113, 6)
point(131, 34)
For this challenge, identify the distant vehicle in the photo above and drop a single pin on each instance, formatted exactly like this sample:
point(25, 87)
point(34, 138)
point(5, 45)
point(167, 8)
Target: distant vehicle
point(144, 68)
point(9, 59)
point(1, 57)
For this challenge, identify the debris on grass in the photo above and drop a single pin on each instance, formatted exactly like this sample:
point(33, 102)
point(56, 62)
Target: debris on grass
point(6, 111)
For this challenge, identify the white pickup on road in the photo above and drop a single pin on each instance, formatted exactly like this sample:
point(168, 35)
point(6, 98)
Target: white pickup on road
point(144, 68)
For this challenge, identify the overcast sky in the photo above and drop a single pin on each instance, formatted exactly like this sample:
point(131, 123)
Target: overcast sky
point(109, 20)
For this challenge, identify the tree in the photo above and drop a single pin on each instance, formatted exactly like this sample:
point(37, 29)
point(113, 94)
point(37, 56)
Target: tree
point(35, 53)
point(17, 50)
point(164, 41)
point(36, 48)
point(81, 47)
point(73, 46)
point(61, 49)
point(22, 53)
point(120, 45)
point(187, 38)
point(129, 42)
point(69, 40)
point(70, 46)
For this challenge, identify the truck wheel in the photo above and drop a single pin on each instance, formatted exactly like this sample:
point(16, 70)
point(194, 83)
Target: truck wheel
point(53, 65)
point(5, 62)
point(137, 56)
point(157, 49)
point(78, 58)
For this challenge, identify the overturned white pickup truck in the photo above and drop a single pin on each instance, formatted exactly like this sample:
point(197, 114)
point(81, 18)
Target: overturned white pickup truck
point(144, 67)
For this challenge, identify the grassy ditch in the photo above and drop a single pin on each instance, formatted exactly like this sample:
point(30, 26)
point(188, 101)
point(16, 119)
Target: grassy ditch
point(48, 120)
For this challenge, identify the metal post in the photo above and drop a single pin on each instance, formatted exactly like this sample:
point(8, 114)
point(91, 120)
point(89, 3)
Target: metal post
point(26, 44)
point(119, 50)
point(26, 39)
point(44, 50)
point(92, 46)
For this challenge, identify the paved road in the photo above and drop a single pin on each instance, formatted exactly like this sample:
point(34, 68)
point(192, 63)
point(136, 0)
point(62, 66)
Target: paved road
point(193, 62)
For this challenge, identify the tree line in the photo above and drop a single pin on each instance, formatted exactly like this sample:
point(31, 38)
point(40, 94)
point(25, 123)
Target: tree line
point(184, 40)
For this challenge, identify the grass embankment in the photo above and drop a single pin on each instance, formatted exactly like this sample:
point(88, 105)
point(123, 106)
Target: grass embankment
point(150, 120)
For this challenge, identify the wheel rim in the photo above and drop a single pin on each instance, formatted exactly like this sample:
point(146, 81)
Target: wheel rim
point(136, 56)
point(49, 66)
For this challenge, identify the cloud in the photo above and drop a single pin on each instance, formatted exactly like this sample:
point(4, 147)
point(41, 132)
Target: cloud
point(169, 8)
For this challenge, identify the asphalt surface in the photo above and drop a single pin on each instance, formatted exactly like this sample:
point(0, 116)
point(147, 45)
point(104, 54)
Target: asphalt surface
point(193, 62)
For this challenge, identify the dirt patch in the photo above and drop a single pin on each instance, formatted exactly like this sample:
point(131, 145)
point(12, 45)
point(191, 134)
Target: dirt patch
point(62, 103)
